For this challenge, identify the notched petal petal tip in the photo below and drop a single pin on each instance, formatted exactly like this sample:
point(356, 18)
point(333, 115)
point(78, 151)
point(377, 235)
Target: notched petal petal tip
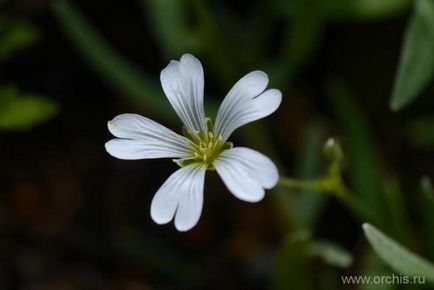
point(180, 198)
point(247, 173)
point(183, 84)
point(246, 102)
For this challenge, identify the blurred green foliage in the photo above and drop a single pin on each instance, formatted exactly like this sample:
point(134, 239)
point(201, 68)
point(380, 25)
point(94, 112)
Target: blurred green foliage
point(308, 204)
point(15, 35)
point(292, 269)
point(332, 254)
point(19, 111)
point(364, 167)
point(118, 73)
point(416, 66)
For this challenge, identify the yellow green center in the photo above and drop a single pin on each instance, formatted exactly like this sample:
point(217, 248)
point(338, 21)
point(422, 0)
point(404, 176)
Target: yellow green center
point(205, 148)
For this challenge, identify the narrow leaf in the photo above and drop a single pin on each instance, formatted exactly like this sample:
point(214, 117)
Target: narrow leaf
point(332, 254)
point(396, 256)
point(417, 57)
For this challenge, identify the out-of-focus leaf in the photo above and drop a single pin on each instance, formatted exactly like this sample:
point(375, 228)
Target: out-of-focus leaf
point(15, 35)
point(365, 9)
point(305, 24)
point(378, 8)
point(170, 24)
point(397, 205)
point(309, 204)
point(332, 254)
point(19, 112)
point(364, 168)
point(396, 256)
point(108, 64)
point(291, 268)
point(427, 188)
point(189, 26)
point(420, 131)
point(417, 57)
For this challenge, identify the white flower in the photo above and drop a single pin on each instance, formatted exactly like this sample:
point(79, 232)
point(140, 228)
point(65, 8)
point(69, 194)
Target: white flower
point(245, 172)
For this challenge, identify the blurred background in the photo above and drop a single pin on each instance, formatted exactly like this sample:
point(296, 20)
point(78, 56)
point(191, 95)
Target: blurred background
point(73, 217)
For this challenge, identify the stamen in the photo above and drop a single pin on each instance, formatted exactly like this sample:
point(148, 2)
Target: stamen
point(205, 146)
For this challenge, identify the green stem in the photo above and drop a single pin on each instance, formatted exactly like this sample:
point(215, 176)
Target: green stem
point(332, 185)
point(301, 185)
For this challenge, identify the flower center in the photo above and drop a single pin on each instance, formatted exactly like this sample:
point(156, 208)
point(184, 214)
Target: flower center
point(205, 148)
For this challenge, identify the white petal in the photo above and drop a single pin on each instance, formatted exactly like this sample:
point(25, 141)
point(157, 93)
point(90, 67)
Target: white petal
point(183, 84)
point(138, 149)
point(180, 195)
point(140, 138)
point(252, 110)
point(244, 103)
point(246, 173)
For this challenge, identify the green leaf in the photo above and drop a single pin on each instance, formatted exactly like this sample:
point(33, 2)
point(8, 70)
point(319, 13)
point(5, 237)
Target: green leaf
point(396, 256)
point(15, 35)
point(332, 254)
point(417, 57)
point(20, 112)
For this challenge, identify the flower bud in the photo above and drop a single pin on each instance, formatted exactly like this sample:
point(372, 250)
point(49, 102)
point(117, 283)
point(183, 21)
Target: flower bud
point(333, 150)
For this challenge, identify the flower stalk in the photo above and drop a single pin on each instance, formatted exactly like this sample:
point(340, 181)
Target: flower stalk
point(332, 184)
